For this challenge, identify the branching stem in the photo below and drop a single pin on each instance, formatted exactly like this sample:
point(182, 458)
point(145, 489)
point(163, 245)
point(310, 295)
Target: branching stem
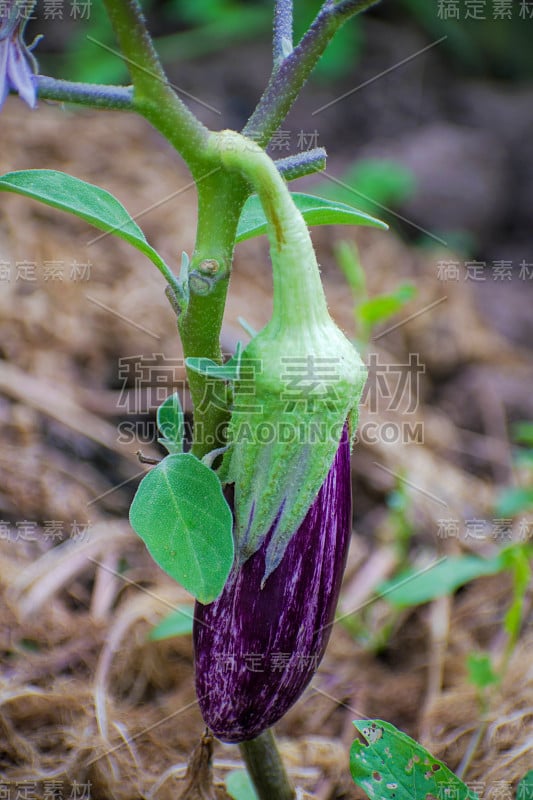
point(288, 77)
point(282, 38)
point(153, 96)
point(86, 94)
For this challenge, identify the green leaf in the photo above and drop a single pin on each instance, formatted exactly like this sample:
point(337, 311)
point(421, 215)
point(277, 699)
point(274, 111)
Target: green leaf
point(480, 670)
point(512, 621)
point(170, 424)
point(517, 559)
point(347, 257)
point(413, 587)
point(524, 790)
point(209, 368)
point(91, 203)
point(177, 623)
point(380, 308)
point(523, 432)
point(315, 211)
point(181, 514)
point(392, 766)
point(514, 500)
point(240, 786)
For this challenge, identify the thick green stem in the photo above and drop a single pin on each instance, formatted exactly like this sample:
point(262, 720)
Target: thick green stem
point(266, 769)
point(220, 200)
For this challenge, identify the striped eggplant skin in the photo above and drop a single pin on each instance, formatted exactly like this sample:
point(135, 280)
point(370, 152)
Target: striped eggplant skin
point(257, 649)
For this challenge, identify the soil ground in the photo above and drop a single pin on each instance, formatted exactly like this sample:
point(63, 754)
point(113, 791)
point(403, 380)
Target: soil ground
point(85, 695)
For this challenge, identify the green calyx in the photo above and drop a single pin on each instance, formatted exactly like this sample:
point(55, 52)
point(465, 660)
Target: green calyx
point(299, 380)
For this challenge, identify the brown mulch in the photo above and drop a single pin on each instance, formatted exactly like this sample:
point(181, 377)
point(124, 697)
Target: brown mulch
point(85, 695)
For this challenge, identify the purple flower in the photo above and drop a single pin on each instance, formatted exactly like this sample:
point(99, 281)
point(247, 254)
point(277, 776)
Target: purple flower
point(257, 647)
point(16, 62)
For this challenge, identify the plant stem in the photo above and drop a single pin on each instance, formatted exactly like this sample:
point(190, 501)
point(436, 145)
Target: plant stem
point(221, 194)
point(288, 77)
point(220, 202)
point(86, 94)
point(473, 745)
point(221, 197)
point(300, 164)
point(266, 769)
point(282, 39)
point(153, 96)
point(347, 8)
point(298, 293)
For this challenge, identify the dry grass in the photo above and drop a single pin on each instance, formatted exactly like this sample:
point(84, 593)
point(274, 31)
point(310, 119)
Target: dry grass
point(84, 694)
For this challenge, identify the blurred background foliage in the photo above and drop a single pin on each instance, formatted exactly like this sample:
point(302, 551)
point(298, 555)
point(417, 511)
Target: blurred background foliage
point(495, 47)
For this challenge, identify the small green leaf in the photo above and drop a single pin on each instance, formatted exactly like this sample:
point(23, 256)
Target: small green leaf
point(177, 623)
point(392, 766)
point(315, 211)
point(523, 432)
point(240, 786)
point(347, 257)
point(205, 366)
point(413, 587)
point(480, 670)
point(517, 558)
point(170, 424)
point(380, 308)
point(91, 203)
point(181, 514)
point(514, 500)
point(512, 621)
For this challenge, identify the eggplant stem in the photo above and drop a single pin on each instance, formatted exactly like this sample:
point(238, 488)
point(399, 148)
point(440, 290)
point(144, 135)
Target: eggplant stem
point(266, 769)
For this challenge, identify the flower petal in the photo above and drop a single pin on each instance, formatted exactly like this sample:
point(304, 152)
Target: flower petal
point(19, 74)
point(4, 86)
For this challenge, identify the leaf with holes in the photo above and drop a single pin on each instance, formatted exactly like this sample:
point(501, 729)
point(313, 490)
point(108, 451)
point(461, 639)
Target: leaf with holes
point(389, 765)
point(183, 518)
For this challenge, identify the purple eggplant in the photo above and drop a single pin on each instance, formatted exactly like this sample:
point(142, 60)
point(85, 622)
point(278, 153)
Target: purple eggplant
point(256, 649)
